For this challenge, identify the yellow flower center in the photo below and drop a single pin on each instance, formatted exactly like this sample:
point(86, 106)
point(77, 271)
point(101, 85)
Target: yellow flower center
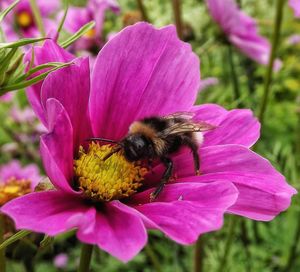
point(24, 19)
point(114, 178)
point(91, 33)
point(13, 188)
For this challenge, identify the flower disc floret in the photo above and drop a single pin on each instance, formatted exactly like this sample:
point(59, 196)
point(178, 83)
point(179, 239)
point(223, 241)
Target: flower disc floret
point(24, 19)
point(110, 179)
point(90, 34)
point(13, 188)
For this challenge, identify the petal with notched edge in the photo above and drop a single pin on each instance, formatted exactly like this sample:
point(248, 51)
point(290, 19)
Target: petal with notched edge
point(142, 71)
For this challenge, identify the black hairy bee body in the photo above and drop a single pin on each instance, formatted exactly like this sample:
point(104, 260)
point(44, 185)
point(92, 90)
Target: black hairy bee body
point(157, 137)
point(167, 144)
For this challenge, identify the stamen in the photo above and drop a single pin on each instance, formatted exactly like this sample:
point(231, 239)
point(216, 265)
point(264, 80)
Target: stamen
point(24, 19)
point(13, 188)
point(110, 179)
point(90, 34)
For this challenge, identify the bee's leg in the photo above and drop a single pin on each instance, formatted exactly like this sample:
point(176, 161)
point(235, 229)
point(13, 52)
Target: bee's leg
point(194, 148)
point(165, 178)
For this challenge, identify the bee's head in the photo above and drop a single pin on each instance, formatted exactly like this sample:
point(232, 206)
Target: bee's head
point(136, 147)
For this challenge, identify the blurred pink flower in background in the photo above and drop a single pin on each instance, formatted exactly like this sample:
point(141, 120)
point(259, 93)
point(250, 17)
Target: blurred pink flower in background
point(16, 180)
point(294, 39)
point(208, 82)
point(61, 260)
point(24, 129)
point(22, 115)
point(241, 30)
point(6, 97)
point(93, 11)
point(27, 117)
point(15, 170)
point(141, 72)
point(295, 5)
point(20, 22)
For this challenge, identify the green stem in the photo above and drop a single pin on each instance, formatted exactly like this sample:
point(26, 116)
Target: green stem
point(2, 251)
point(16, 237)
point(269, 72)
point(61, 24)
point(246, 242)
point(177, 16)
point(199, 255)
point(153, 258)
point(232, 226)
point(296, 240)
point(293, 250)
point(235, 81)
point(143, 10)
point(85, 258)
point(37, 17)
point(298, 132)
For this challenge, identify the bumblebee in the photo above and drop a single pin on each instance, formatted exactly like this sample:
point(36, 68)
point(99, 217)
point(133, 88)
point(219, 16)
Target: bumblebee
point(157, 137)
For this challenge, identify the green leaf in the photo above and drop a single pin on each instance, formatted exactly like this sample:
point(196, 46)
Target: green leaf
point(47, 241)
point(37, 16)
point(61, 24)
point(19, 235)
point(21, 42)
point(5, 64)
point(30, 82)
point(78, 34)
point(7, 10)
point(37, 69)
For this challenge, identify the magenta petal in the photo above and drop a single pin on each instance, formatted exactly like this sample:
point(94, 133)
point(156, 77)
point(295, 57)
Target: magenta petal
point(238, 127)
point(50, 212)
point(257, 48)
point(98, 8)
point(140, 72)
point(119, 230)
point(76, 18)
point(263, 191)
point(295, 5)
point(241, 30)
point(71, 87)
point(48, 7)
point(183, 211)
point(210, 113)
point(49, 52)
point(15, 169)
point(57, 146)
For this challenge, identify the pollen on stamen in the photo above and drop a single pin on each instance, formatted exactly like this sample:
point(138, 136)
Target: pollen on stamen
point(90, 34)
point(13, 188)
point(24, 19)
point(114, 178)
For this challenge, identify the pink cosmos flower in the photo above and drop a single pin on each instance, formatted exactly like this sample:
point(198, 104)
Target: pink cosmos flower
point(293, 39)
point(32, 127)
point(141, 72)
point(20, 22)
point(241, 31)
point(93, 11)
point(6, 97)
point(295, 5)
point(61, 260)
point(16, 180)
point(208, 82)
point(22, 115)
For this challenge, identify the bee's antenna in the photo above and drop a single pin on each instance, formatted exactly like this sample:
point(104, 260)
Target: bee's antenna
point(115, 150)
point(102, 140)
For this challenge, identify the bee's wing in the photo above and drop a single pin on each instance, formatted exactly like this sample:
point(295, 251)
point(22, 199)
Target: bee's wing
point(181, 114)
point(180, 128)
